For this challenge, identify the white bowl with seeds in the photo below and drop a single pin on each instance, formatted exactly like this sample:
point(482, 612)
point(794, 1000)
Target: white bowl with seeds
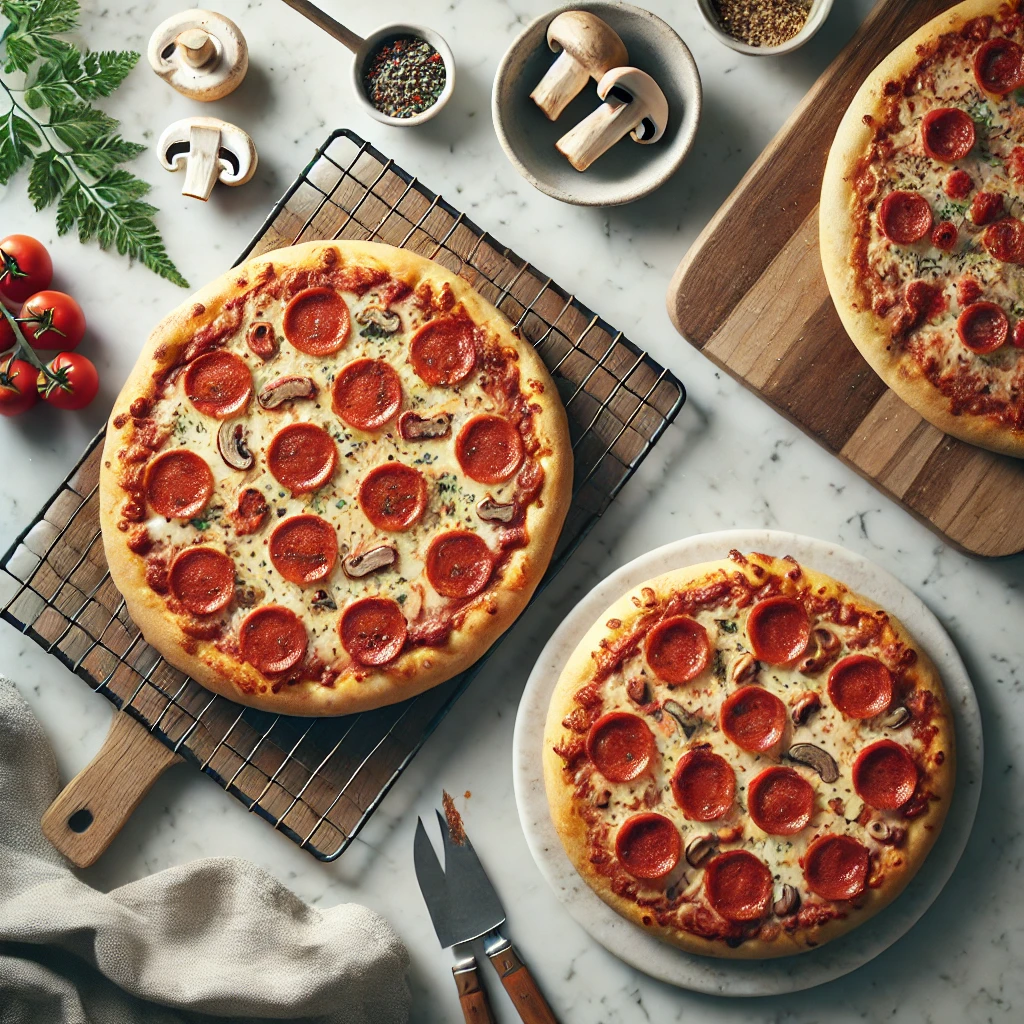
point(764, 28)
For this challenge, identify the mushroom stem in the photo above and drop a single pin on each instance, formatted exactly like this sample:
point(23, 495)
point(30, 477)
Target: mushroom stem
point(597, 133)
point(564, 80)
point(197, 47)
point(203, 166)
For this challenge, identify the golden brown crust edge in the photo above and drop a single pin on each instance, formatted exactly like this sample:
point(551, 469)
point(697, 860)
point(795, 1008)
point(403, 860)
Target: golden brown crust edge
point(867, 331)
point(418, 670)
point(572, 830)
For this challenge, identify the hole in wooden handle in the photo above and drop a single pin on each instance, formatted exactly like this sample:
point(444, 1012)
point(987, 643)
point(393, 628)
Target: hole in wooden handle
point(80, 820)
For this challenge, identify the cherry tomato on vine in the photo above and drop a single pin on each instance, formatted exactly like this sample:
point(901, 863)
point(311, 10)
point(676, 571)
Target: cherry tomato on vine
point(7, 337)
point(76, 384)
point(17, 386)
point(52, 320)
point(25, 268)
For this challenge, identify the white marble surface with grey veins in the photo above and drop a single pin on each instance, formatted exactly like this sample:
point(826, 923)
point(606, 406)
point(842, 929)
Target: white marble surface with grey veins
point(729, 462)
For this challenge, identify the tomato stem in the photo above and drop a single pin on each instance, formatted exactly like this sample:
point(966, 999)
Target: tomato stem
point(23, 349)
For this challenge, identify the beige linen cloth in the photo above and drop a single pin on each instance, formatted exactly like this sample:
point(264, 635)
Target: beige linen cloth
point(212, 940)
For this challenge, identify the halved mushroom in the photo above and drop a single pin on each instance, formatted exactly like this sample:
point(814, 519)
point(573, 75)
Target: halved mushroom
point(701, 849)
point(357, 566)
point(286, 389)
point(746, 668)
point(492, 511)
point(823, 646)
point(687, 722)
point(262, 340)
point(232, 444)
point(210, 150)
point(387, 321)
point(633, 105)
point(589, 46)
point(202, 54)
point(814, 757)
point(895, 719)
point(805, 705)
point(322, 600)
point(413, 427)
point(788, 901)
point(879, 830)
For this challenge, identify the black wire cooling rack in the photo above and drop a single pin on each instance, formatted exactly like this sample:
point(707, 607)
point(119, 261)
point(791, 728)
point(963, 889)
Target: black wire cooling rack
point(319, 780)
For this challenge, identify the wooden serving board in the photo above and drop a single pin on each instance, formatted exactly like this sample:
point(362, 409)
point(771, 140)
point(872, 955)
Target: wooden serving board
point(761, 310)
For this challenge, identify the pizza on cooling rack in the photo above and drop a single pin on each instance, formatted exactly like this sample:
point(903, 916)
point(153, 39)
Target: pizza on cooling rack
point(746, 759)
point(333, 479)
point(921, 230)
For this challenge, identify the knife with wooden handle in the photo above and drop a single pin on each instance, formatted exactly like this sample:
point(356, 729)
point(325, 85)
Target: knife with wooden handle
point(469, 908)
point(472, 995)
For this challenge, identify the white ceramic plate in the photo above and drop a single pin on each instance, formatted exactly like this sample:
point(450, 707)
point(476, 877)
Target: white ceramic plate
point(747, 977)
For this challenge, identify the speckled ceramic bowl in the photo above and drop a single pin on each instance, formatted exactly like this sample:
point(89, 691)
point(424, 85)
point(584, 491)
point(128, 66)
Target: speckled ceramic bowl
point(815, 19)
point(628, 170)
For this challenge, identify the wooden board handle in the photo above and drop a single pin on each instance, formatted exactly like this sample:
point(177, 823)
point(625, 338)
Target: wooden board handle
point(472, 995)
point(519, 984)
point(92, 808)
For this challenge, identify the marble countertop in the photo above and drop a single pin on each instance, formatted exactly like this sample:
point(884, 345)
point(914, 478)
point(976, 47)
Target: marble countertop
point(729, 461)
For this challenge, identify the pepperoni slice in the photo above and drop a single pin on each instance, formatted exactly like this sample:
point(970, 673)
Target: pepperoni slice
point(738, 885)
point(958, 185)
point(648, 845)
point(781, 801)
point(218, 384)
point(178, 484)
point(272, 639)
point(704, 785)
point(860, 686)
point(836, 867)
point(302, 457)
point(393, 496)
point(983, 327)
point(367, 393)
point(459, 564)
point(443, 351)
point(203, 580)
point(779, 630)
point(945, 235)
point(373, 630)
point(677, 649)
point(1018, 334)
point(1005, 240)
point(999, 66)
point(986, 207)
point(905, 217)
point(884, 775)
point(489, 449)
point(317, 321)
point(304, 549)
point(753, 719)
point(947, 134)
point(620, 745)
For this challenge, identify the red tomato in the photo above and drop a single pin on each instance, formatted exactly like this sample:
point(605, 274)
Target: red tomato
point(26, 268)
point(16, 386)
point(7, 335)
point(76, 385)
point(52, 320)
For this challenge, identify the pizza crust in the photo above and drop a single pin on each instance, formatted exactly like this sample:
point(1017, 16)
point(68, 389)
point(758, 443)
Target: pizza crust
point(868, 331)
point(573, 830)
point(414, 671)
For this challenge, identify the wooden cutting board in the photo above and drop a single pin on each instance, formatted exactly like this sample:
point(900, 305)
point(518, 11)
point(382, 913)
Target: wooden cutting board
point(750, 294)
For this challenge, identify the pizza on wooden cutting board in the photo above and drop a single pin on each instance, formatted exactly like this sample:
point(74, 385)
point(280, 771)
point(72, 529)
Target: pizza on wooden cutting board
point(922, 222)
point(334, 478)
point(746, 759)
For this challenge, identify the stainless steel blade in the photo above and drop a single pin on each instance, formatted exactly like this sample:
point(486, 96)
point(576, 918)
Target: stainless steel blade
point(473, 907)
point(432, 885)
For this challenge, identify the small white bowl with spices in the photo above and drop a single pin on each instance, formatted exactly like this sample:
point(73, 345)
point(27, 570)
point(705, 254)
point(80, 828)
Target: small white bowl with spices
point(764, 28)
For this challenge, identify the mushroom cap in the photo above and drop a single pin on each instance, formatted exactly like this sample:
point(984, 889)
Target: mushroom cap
point(644, 91)
point(232, 140)
point(588, 40)
point(215, 79)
